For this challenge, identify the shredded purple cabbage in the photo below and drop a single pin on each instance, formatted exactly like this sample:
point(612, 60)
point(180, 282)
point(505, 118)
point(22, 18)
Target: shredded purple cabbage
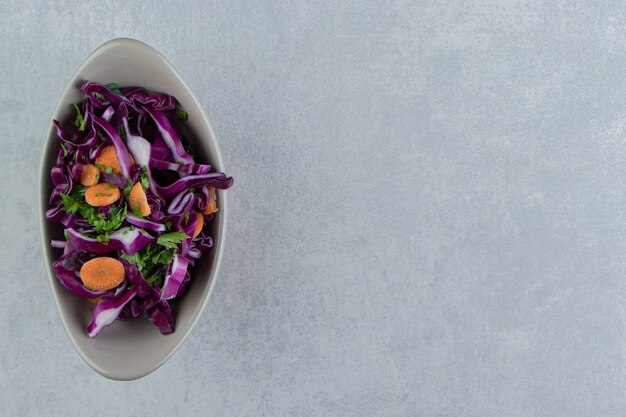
point(157, 251)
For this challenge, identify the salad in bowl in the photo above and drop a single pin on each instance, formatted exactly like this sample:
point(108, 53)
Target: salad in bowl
point(134, 202)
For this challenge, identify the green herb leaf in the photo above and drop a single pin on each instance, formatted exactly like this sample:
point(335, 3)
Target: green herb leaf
point(102, 238)
point(136, 211)
point(70, 205)
point(154, 279)
point(114, 87)
point(168, 224)
point(143, 178)
point(128, 187)
point(182, 114)
point(103, 195)
point(75, 203)
point(67, 235)
point(187, 218)
point(164, 257)
point(104, 225)
point(108, 170)
point(64, 149)
point(147, 259)
point(170, 240)
point(98, 95)
point(135, 259)
point(79, 121)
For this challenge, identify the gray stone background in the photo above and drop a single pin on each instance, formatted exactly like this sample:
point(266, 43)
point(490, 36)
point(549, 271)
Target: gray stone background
point(428, 217)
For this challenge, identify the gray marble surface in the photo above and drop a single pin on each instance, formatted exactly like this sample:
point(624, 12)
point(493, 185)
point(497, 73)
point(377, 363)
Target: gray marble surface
point(429, 216)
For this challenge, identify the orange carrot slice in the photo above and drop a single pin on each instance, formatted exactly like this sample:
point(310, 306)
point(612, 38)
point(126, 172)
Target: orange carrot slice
point(138, 200)
point(108, 159)
point(94, 301)
point(102, 273)
point(90, 175)
point(199, 224)
point(102, 194)
point(212, 205)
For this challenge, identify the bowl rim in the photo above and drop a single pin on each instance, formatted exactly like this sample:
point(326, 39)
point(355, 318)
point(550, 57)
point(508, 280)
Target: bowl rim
point(42, 207)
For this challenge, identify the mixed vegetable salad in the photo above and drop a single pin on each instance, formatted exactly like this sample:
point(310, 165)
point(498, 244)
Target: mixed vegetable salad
point(134, 203)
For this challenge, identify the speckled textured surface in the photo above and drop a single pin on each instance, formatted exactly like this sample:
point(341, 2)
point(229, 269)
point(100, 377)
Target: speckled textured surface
point(429, 215)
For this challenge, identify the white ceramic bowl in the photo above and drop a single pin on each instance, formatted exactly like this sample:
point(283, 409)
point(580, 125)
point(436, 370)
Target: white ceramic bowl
point(131, 349)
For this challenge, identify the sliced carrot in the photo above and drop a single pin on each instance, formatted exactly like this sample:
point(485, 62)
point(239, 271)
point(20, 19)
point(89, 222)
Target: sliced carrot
point(199, 224)
point(212, 205)
point(102, 194)
point(90, 175)
point(138, 200)
point(108, 159)
point(94, 301)
point(102, 273)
